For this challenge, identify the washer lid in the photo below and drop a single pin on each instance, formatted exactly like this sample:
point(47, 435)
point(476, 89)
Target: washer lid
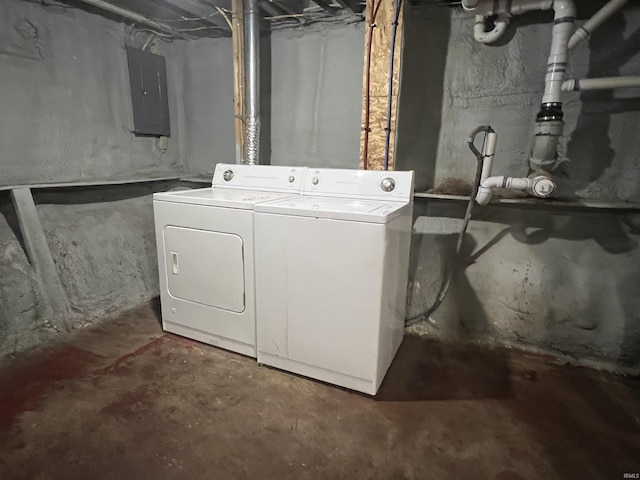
point(372, 211)
point(220, 197)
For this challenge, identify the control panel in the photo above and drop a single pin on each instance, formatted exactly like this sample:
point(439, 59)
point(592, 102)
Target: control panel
point(372, 184)
point(327, 182)
point(259, 177)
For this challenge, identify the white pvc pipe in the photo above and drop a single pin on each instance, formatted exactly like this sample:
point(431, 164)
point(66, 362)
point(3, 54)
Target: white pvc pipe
point(511, 183)
point(564, 16)
point(488, 8)
point(522, 6)
point(470, 4)
point(544, 147)
point(585, 31)
point(604, 83)
point(488, 154)
point(565, 12)
point(480, 34)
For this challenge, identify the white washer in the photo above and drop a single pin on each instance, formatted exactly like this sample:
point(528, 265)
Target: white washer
point(331, 276)
point(205, 244)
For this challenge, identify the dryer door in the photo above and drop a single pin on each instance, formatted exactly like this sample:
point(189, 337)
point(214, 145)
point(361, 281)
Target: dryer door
point(205, 267)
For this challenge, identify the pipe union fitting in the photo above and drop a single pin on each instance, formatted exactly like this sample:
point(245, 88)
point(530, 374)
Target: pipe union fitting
point(542, 185)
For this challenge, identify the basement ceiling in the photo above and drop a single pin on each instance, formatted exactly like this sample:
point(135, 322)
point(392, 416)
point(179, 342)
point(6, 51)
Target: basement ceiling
point(209, 18)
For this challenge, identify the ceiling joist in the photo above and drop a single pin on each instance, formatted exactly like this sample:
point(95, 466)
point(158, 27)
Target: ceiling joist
point(203, 12)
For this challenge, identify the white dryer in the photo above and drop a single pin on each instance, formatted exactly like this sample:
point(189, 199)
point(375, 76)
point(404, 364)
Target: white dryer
point(205, 242)
point(331, 276)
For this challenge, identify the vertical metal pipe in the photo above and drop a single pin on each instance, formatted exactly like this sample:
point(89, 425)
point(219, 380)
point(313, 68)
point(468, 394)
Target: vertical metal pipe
point(252, 79)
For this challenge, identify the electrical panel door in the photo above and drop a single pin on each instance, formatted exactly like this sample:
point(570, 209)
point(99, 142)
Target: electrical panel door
point(148, 77)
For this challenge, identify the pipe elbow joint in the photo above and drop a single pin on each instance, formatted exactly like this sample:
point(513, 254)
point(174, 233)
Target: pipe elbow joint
point(484, 195)
point(479, 29)
point(579, 36)
point(470, 5)
point(485, 190)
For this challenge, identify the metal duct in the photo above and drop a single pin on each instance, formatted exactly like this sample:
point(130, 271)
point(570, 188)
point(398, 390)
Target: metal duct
point(252, 80)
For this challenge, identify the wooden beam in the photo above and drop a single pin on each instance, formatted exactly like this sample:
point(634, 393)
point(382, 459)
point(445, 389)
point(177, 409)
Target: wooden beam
point(237, 35)
point(52, 293)
point(135, 16)
point(351, 5)
point(326, 6)
point(379, 84)
point(289, 10)
point(201, 10)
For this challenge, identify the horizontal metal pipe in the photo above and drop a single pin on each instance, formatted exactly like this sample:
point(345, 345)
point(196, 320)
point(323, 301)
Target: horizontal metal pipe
point(136, 17)
point(604, 83)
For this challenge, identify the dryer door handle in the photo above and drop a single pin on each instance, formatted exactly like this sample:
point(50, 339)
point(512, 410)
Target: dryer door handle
point(175, 268)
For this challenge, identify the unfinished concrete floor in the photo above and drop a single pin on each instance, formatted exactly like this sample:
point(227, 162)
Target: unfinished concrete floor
point(121, 400)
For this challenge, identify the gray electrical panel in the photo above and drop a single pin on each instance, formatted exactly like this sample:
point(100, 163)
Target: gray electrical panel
point(148, 77)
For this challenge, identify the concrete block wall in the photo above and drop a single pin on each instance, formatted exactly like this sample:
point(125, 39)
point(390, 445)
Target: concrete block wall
point(20, 320)
point(555, 280)
point(66, 99)
point(451, 84)
point(316, 96)
point(103, 244)
point(66, 116)
point(558, 281)
point(311, 98)
point(563, 282)
point(65, 83)
point(206, 112)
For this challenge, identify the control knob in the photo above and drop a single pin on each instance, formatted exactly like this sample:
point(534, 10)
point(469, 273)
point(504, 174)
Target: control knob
point(388, 184)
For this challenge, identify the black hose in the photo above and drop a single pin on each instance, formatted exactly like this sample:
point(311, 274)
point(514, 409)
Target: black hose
point(467, 218)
